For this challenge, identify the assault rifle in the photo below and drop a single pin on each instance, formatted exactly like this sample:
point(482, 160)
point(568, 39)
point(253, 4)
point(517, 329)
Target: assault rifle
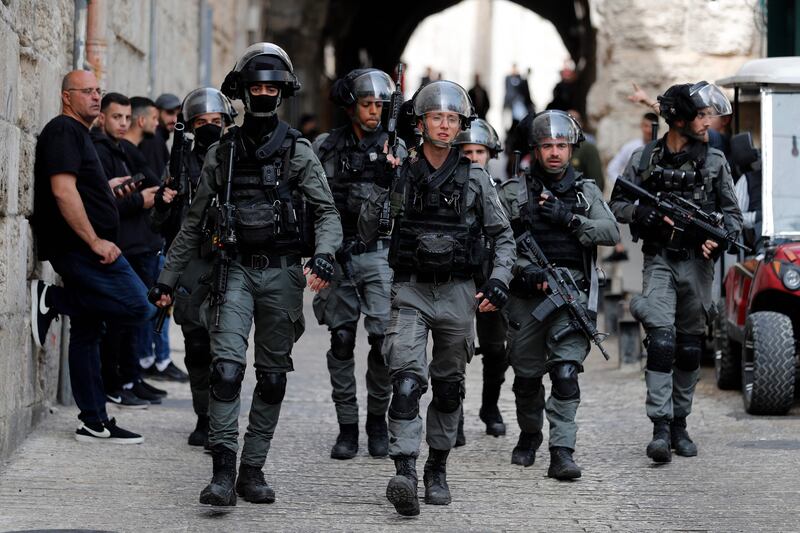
point(385, 221)
point(688, 218)
point(224, 240)
point(562, 292)
point(177, 179)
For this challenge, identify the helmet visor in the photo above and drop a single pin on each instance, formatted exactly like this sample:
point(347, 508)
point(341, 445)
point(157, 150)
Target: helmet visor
point(554, 125)
point(374, 83)
point(709, 98)
point(206, 100)
point(480, 132)
point(442, 96)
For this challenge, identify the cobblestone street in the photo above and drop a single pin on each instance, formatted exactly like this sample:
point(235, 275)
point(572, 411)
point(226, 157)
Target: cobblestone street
point(744, 479)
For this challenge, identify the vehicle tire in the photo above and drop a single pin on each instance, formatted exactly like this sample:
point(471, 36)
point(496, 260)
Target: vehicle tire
point(727, 354)
point(768, 364)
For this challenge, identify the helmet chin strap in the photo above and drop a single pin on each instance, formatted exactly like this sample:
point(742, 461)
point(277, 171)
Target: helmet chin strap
point(260, 114)
point(436, 142)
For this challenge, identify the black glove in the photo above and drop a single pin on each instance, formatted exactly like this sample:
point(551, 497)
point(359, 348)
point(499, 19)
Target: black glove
point(159, 203)
point(496, 292)
point(646, 216)
point(532, 276)
point(158, 290)
point(321, 265)
point(556, 211)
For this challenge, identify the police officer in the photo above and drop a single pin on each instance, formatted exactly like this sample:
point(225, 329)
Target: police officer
point(353, 158)
point(478, 144)
point(277, 188)
point(565, 214)
point(441, 205)
point(206, 112)
point(676, 292)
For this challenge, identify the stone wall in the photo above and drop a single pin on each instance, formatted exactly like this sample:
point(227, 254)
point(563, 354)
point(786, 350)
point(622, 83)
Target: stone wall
point(36, 43)
point(657, 44)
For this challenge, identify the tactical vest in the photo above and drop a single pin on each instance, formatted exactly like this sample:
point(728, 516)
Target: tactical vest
point(560, 245)
point(432, 234)
point(272, 215)
point(693, 181)
point(351, 168)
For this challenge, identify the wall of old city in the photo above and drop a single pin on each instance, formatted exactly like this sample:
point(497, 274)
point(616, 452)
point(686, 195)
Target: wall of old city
point(657, 44)
point(146, 48)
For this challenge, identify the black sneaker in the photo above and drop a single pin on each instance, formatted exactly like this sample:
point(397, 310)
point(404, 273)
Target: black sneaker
point(153, 390)
point(144, 393)
point(41, 314)
point(108, 432)
point(171, 373)
point(126, 399)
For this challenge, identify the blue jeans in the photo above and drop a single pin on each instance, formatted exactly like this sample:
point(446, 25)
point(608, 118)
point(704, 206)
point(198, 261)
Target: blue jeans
point(93, 293)
point(148, 267)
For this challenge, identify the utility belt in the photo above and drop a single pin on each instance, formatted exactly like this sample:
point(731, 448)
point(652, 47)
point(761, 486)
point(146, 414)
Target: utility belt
point(436, 278)
point(358, 247)
point(260, 260)
point(675, 255)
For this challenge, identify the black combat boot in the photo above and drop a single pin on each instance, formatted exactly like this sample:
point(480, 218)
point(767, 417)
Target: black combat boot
point(681, 442)
point(220, 490)
point(658, 449)
point(346, 446)
point(562, 466)
point(524, 452)
point(199, 437)
point(252, 486)
point(402, 488)
point(490, 413)
point(377, 435)
point(435, 478)
point(461, 439)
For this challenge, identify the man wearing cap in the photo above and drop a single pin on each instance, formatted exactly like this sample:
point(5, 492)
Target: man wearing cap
point(155, 148)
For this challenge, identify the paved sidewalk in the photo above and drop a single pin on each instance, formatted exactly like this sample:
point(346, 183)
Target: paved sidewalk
point(746, 478)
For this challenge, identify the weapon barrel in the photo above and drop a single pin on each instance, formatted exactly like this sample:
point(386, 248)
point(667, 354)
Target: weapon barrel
point(161, 317)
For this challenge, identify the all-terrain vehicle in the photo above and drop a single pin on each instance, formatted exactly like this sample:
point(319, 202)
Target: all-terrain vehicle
point(757, 327)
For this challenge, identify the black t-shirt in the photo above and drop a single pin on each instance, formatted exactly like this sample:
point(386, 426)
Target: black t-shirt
point(155, 151)
point(65, 147)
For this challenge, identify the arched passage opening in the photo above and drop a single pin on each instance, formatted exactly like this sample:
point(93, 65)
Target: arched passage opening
point(376, 34)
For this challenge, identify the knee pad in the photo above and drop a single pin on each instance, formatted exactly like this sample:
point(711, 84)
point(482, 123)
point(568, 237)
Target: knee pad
point(526, 387)
point(660, 349)
point(406, 390)
point(447, 395)
point(226, 380)
point(271, 386)
point(688, 351)
point(343, 342)
point(564, 381)
point(198, 349)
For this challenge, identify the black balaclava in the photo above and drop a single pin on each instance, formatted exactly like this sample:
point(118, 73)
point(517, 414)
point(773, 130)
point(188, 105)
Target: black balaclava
point(206, 135)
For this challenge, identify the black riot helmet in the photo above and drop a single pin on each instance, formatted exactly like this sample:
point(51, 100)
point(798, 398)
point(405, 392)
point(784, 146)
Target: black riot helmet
point(480, 132)
point(443, 96)
point(683, 101)
point(207, 100)
point(362, 83)
point(261, 63)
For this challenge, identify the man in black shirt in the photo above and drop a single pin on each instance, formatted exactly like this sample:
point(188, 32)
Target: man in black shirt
point(155, 148)
point(120, 347)
point(144, 121)
point(75, 223)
